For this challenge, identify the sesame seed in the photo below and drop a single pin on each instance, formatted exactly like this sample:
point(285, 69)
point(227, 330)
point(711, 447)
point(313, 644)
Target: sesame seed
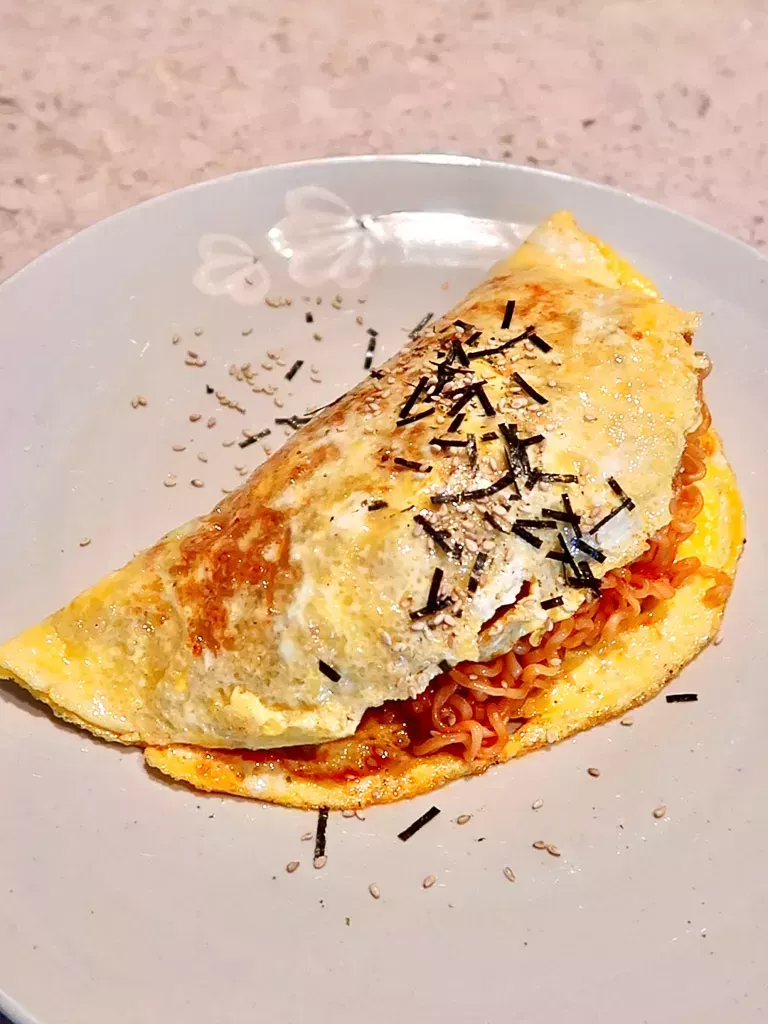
point(539, 845)
point(226, 490)
point(347, 814)
point(359, 320)
point(627, 721)
point(659, 812)
point(198, 331)
point(317, 337)
point(176, 339)
point(375, 891)
point(537, 804)
point(85, 542)
point(197, 483)
point(551, 736)
point(194, 417)
point(227, 444)
point(267, 449)
point(246, 331)
point(138, 400)
point(319, 862)
point(718, 640)
point(589, 417)
point(509, 874)
point(202, 456)
point(594, 772)
point(553, 850)
point(211, 422)
point(267, 366)
point(179, 447)
point(307, 836)
point(170, 480)
point(291, 866)
point(278, 402)
point(428, 882)
point(463, 819)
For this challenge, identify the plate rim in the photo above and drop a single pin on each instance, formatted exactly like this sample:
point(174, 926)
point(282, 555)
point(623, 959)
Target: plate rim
point(363, 159)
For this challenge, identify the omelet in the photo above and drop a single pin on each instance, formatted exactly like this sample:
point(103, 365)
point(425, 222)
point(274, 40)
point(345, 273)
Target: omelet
point(422, 521)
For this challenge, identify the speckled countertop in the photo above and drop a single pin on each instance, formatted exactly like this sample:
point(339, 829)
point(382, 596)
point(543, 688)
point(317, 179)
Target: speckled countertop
point(105, 104)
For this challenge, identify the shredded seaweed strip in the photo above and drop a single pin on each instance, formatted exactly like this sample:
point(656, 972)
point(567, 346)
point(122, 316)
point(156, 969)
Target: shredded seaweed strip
point(444, 442)
point(557, 478)
point(482, 353)
point(329, 671)
point(463, 325)
point(420, 325)
point(294, 369)
point(435, 603)
point(369, 354)
point(562, 517)
point(681, 698)
point(477, 569)
point(538, 524)
point(441, 537)
point(551, 602)
point(414, 418)
point(529, 389)
point(582, 545)
point(208, 389)
point(627, 503)
point(527, 536)
point(292, 421)
point(508, 480)
point(509, 312)
point(413, 398)
point(410, 464)
point(444, 666)
point(322, 825)
point(459, 353)
point(415, 826)
point(374, 506)
point(309, 318)
point(539, 342)
point(585, 579)
point(372, 332)
point(376, 374)
point(473, 339)
point(456, 423)
point(470, 391)
point(490, 436)
point(246, 442)
point(472, 450)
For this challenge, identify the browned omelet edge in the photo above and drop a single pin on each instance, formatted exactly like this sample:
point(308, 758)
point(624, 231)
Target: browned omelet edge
point(594, 686)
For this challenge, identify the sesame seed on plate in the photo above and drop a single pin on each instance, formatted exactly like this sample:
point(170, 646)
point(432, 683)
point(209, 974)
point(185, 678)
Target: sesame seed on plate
point(175, 339)
point(278, 402)
point(194, 417)
point(291, 866)
point(537, 804)
point(659, 812)
point(197, 483)
point(347, 814)
point(227, 444)
point(202, 456)
point(553, 850)
point(198, 331)
point(170, 480)
point(138, 400)
point(85, 542)
point(594, 772)
point(375, 891)
point(211, 422)
point(627, 721)
point(320, 862)
point(463, 819)
point(428, 882)
point(539, 845)
point(317, 337)
point(307, 836)
point(179, 447)
point(509, 874)
point(359, 320)
point(246, 331)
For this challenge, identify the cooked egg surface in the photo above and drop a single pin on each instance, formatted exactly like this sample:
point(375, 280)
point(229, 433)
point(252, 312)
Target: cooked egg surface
point(602, 683)
point(294, 605)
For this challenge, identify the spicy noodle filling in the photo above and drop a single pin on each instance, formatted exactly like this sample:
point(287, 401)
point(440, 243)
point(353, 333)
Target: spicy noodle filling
point(473, 709)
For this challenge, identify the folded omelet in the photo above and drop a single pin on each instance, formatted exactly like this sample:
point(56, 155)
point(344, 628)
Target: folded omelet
point(469, 495)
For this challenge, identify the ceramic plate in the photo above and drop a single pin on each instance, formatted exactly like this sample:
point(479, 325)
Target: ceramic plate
point(124, 899)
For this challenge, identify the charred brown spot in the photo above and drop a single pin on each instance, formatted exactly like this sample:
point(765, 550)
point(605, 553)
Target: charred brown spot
point(243, 543)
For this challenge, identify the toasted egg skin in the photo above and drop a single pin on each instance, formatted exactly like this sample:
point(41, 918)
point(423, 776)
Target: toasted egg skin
point(603, 683)
point(217, 636)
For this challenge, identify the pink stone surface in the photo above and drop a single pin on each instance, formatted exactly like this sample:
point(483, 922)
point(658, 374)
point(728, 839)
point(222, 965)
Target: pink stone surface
point(105, 104)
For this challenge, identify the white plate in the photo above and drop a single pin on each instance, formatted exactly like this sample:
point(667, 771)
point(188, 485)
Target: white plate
point(125, 899)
